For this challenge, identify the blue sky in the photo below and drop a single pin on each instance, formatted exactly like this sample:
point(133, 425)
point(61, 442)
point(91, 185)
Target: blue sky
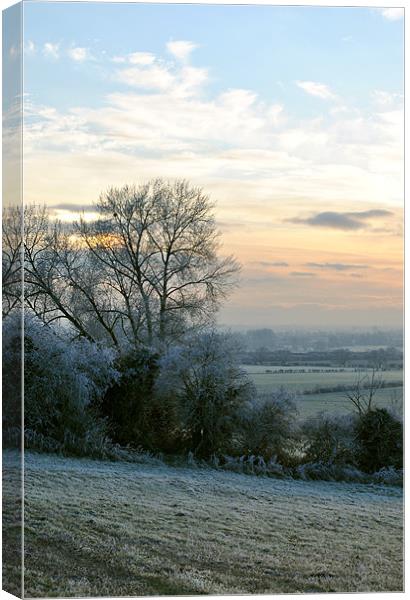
point(290, 118)
point(263, 48)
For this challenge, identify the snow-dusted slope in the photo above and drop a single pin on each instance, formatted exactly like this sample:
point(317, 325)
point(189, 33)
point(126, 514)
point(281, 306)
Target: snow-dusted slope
point(100, 528)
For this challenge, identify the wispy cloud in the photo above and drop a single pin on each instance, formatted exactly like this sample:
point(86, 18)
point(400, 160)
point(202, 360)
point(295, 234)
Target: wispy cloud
point(302, 274)
point(141, 58)
point(386, 99)
point(181, 49)
point(72, 207)
point(30, 48)
point(154, 78)
point(265, 263)
point(369, 214)
point(392, 14)
point(335, 266)
point(51, 50)
point(135, 58)
point(14, 52)
point(79, 54)
point(165, 111)
point(341, 220)
point(314, 88)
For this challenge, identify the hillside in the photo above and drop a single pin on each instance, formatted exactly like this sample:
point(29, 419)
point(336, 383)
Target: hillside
point(101, 528)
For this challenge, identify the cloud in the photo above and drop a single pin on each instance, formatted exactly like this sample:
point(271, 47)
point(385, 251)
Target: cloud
point(369, 214)
point(386, 99)
point(342, 220)
point(72, 207)
point(135, 58)
point(302, 274)
point(391, 14)
point(78, 54)
point(14, 52)
point(314, 88)
point(264, 263)
point(335, 266)
point(30, 48)
point(51, 50)
point(141, 58)
point(165, 118)
point(181, 50)
point(154, 78)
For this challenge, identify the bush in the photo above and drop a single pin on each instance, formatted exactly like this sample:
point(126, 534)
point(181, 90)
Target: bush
point(268, 426)
point(62, 381)
point(12, 363)
point(330, 439)
point(135, 414)
point(254, 465)
point(379, 436)
point(388, 476)
point(329, 471)
point(204, 381)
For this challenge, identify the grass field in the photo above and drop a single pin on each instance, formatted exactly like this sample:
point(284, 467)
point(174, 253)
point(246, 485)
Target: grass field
point(100, 528)
point(336, 403)
point(332, 402)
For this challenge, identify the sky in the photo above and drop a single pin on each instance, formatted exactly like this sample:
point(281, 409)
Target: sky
point(290, 118)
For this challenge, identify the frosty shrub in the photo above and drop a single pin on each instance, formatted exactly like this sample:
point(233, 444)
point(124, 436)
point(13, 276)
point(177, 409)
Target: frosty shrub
point(254, 465)
point(329, 471)
point(62, 380)
point(136, 416)
point(12, 363)
point(389, 476)
point(322, 471)
point(379, 436)
point(330, 439)
point(268, 426)
point(209, 388)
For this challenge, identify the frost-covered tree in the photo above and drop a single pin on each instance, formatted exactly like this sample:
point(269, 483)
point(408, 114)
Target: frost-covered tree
point(63, 282)
point(11, 258)
point(159, 245)
point(268, 425)
point(146, 272)
point(210, 387)
point(62, 378)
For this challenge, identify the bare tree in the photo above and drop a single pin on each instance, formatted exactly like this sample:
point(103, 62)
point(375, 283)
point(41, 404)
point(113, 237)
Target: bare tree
point(47, 291)
point(147, 270)
point(159, 243)
point(11, 258)
point(364, 390)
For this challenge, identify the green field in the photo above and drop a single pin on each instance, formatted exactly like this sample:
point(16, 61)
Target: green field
point(333, 402)
point(95, 528)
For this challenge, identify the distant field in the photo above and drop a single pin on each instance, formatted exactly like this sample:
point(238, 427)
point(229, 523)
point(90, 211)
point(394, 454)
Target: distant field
point(333, 402)
point(336, 402)
point(95, 528)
